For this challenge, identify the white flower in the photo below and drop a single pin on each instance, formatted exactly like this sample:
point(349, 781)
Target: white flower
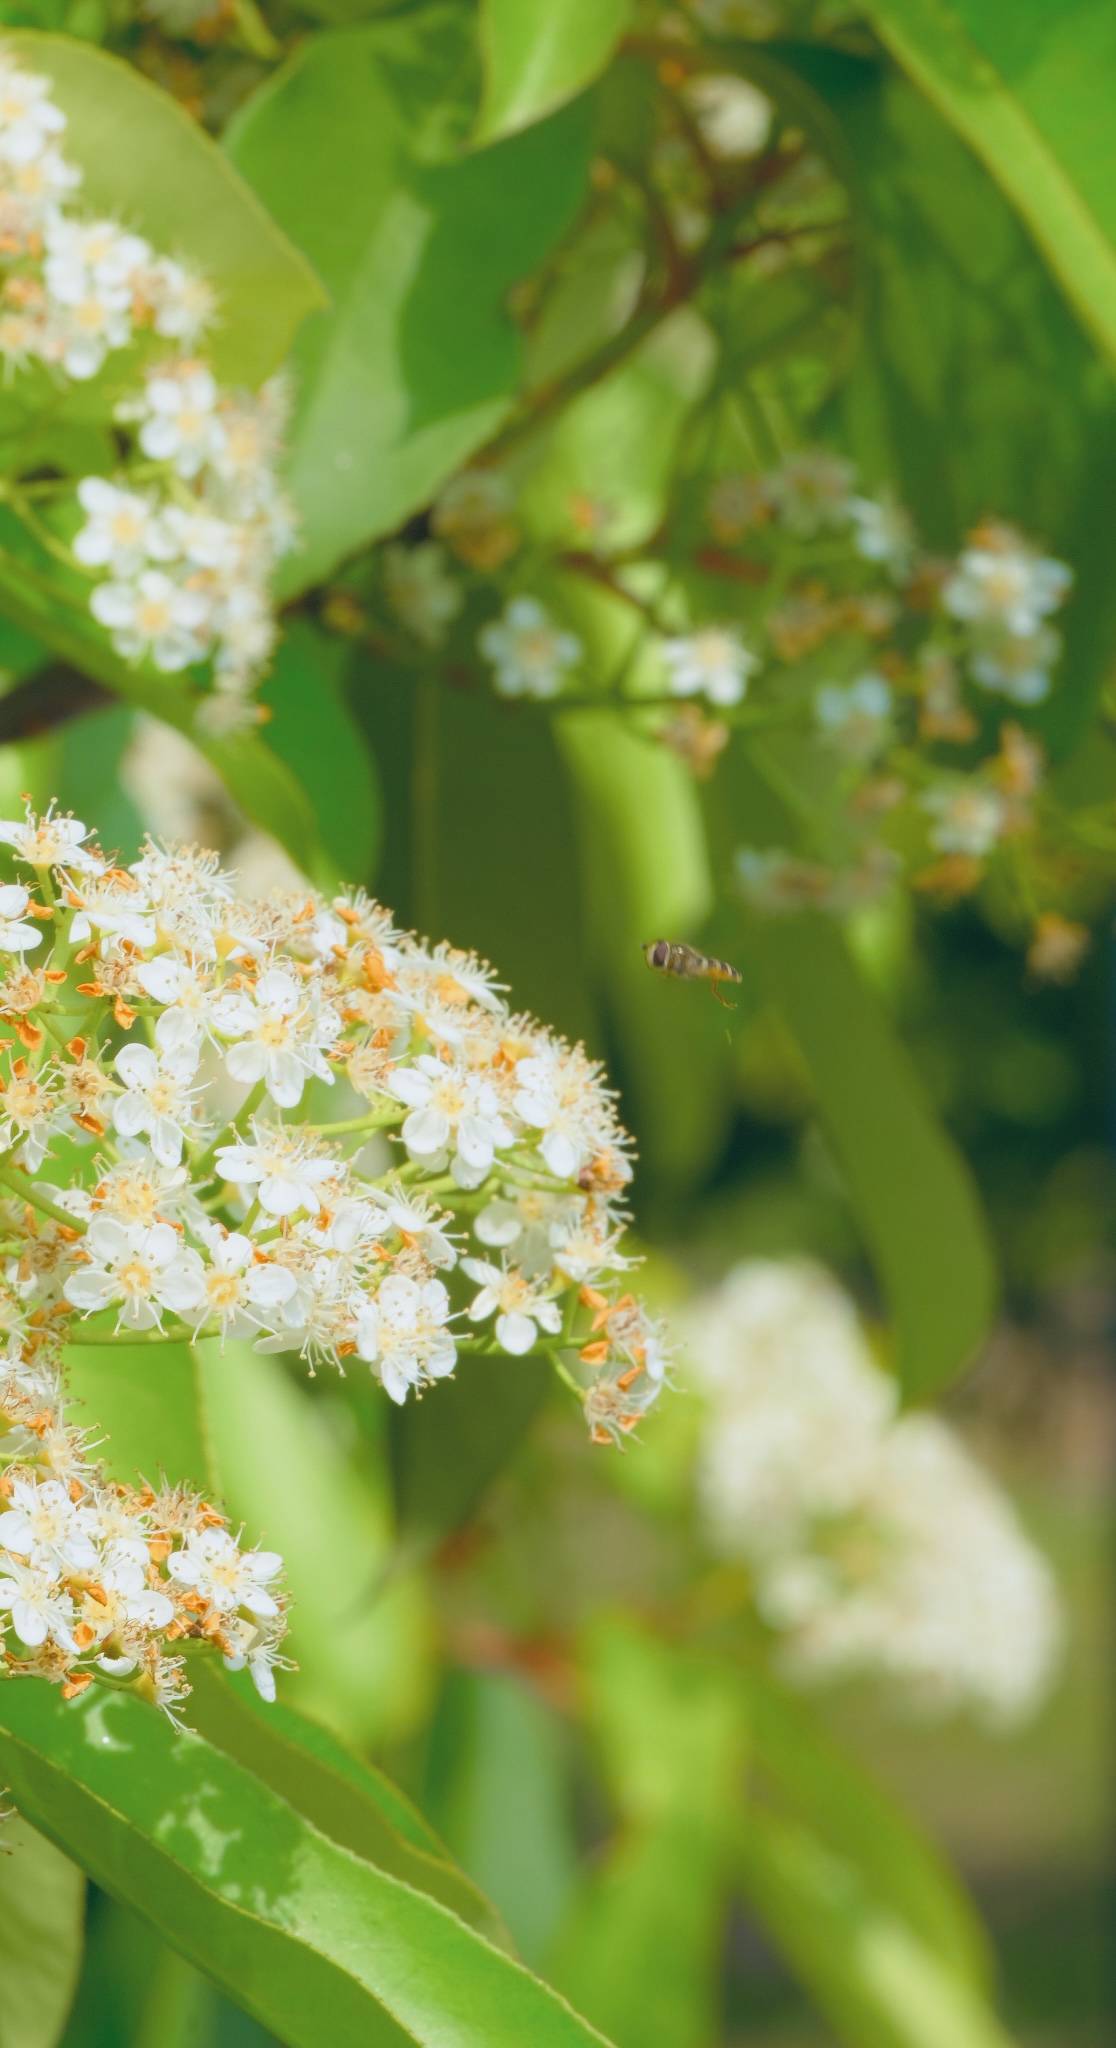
point(883, 532)
point(932, 1583)
point(123, 530)
point(420, 590)
point(856, 715)
point(285, 1167)
point(968, 817)
point(45, 1526)
point(29, 119)
point(142, 1267)
point(713, 663)
point(38, 1607)
point(179, 417)
point(1016, 665)
point(211, 1563)
point(521, 1306)
point(158, 1100)
point(403, 1331)
point(280, 1035)
point(812, 492)
point(16, 935)
point(242, 1290)
point(1004, 582)
point(153, 615)
point(558, 1092)
point(797, 1404)
point(50, 841)
point(450, 1106)
point(417, 1223)
point(528, 651)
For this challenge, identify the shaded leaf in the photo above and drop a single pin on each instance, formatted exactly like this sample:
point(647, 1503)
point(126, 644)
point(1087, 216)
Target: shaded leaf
point(819, 1783)
point(876, 1981)
point(911, 1190)
point(1030, 89)
point(447, 1449)
point(300, 1931)
point(498, 1785)
point(539, 53)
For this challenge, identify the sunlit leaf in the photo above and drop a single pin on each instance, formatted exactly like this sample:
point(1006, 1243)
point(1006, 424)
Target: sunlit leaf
point(539, 53)
point(42, 1909)
point(416, 361)
point(299, 1930)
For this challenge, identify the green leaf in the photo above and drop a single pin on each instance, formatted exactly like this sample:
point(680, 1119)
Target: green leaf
point(447, 1450)
point(498, 1784)
point(39, 602)
point(279, 1464)
point(143, 158)
point(142, 1399)
point(355, 147)
point(876, 1981)
point(820, 1784)
point(42, 1926)
point(297, 1929)
point(641, 1946)
point(313, 731)
point(328, 1784)
point(538, 53)
point(1030, 89)
point(910, 1188)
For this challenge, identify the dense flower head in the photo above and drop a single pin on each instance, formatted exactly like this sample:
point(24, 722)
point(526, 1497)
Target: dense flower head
point(874, 1540)
point(180, 542)
point(296, 1125)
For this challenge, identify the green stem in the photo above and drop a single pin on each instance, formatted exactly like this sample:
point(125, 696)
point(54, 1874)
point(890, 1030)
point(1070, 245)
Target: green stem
point(203, 1163)
point(20, 1184)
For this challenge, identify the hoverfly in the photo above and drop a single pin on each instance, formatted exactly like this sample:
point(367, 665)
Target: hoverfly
point(667, 956)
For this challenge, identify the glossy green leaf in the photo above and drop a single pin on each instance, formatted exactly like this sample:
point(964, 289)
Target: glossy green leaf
point(498, 1783)
point(417, 359)
point(539, 53)
point(819, 1783)
point(145, 159)
point(299, 1930)
point(42, 1916)
point(329, 1785)
point(911, 1191)
point(279, 1464)
point(876, 1981)
point(1030, 89)
point(35, 599)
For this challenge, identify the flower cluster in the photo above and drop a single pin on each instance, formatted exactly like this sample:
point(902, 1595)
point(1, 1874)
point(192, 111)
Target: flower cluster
point(102, 1582)
point(874, 1540)
point(180, 1047)
point(182, 539)
point(797, 602)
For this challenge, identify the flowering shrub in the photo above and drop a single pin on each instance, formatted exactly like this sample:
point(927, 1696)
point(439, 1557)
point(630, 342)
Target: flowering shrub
point(173, 1030)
